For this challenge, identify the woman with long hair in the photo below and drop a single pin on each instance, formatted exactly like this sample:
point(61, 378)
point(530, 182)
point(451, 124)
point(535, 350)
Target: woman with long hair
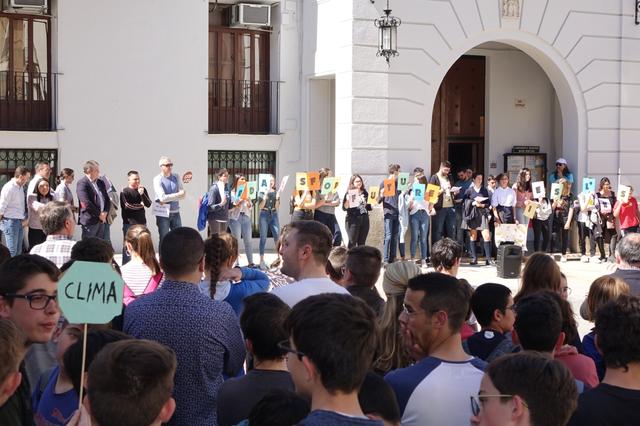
point(561, 218)
point(357, 219)
point(41, 196)
point(303, 204)
point(325, 210)
point(605, 200)
point(540, 273)
point(268, 203)
point(142, 274)
point(240, 216)
point(561, 172)
point(524, 193)
point(219, 203)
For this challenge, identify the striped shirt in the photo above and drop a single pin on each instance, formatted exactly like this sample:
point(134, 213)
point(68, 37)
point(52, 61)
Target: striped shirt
point(136, 275)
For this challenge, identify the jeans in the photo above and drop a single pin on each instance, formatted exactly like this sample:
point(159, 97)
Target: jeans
point(241, 228)
point(95, 230)
point(126, 256)
point(540, 229)
point(331, 222)
point(357, 229)
point(166, 224)
point(391, 229)
point(419, 226)
point(444, 220)
point(268, 220)
point(13, 234)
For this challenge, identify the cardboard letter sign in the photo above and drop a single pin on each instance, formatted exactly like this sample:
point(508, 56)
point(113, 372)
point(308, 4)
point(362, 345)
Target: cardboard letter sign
point(90, 292)
point(389, 188)
point(556, 191)
point(538, 190)
point(432, 193)
point(327, 185)
point(301, 181)
point(588, 184)
point(530, 209)
point(623, 193)
point(314, 180)
point(373, 195)
point(264, 183)
point(283, 183)
point(336, 183)
point(418, 191)
point(403, 181)
point(252, 190)
point(353, 197)
point(241, 193)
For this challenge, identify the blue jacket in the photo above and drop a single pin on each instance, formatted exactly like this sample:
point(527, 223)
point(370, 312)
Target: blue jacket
point(253, 281)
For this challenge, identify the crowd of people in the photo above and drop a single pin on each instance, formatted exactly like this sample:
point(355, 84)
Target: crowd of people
point(309, 340)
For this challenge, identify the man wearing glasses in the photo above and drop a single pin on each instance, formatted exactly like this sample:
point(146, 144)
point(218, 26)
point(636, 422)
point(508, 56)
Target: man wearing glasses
point(436, 390)
point(28, 297)
point(168, 188)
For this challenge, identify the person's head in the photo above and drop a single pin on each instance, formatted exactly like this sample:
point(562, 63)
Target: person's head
point(238, 181)
point(503, 180)
point(538, 325)
point(461, 174)
point(331, 340)
point(66, 176)
point(445, 167)
point(562, 167)
point(363, 266)
point(279, 407)
point(96, 341)
point(601, 291)
point(422, 179)
point(28, 296)
point(540, 272)
point(42, 190)
point(446, 255)
point(336, 263)
point(182, 254)
point(393, 169)
point(66, 335)
point(618, 332)
point(262, 323)
point(491, 181)
point(91, 169)
point(21, 175)
point(356, 182)
point(565, 290)
point(492, 305)
point(130, 384)
point(628, 250)
point(477, 179)
point(220, 251)
point(139, 242)
point(222, 175)
point(12, 351)
point(435, 306)
point(569, 326)
point(43, 169)
point(605, 184)
point(324, 172)
point(166, 165)
point(93, 249)
point(133, 179)
point(469, 172)
point(57, 218)
point(525, 388)
point(417, 172)
point(306, 245)
point(524, 180)
point(378, 401)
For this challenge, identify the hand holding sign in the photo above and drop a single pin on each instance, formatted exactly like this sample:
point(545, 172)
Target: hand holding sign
point(264, 183)
point(327, 185)
point(432, 193)
point(623, 193)
point(389, 189)
point(252, 190)
point(403, 181)
point(538, 190)
point(530, 209)
point(556, 191)
point(373, 195)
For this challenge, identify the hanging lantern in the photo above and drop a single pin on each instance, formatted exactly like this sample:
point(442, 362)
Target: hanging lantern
point(387, 34)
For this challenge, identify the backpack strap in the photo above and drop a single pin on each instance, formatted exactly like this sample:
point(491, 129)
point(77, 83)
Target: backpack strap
point(154, 282)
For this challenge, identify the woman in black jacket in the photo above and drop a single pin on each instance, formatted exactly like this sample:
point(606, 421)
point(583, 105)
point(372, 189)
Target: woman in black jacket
point(357, 220)
point(476, 217)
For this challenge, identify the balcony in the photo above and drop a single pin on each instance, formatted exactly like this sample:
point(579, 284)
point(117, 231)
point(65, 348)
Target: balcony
point(27, 101)
point(243, 106)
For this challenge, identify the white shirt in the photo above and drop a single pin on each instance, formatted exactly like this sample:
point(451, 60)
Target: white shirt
point(298, 290)
point(137, 276)
point(503, 197)
point(12, 200)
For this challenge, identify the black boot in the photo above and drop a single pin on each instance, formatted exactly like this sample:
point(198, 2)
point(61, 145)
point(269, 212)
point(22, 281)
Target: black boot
point(472, 250)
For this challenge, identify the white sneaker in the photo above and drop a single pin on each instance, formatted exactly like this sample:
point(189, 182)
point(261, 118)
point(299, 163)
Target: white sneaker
point(563, 259)
point(584, 259)
point(263, 266)
point(595, 259)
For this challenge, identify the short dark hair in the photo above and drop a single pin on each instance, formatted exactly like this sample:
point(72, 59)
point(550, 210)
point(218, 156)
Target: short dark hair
point(221, 172)
point(338, 333)
point(132, 172)
point(486, 299)
point(618, 331)
point(262, 322)
point(628, 248)
point(96, 341)
point(418, 170)
point(181, 250)
point(336, 262)
point(393, 168)
point(53, 216)
point(377, 397)
point(279, 407)
point(15, 272)
point(538, 322)
point(92, 249)
point(445, 252)
point(546, 386)
point(569, 325)
point(445, 163)
point(130, 381)
point(442, 293)
point(315, 234)
point(364, 264)
point(20, 171)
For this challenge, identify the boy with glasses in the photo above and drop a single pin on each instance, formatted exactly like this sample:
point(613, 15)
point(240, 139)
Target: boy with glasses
point(28, 297)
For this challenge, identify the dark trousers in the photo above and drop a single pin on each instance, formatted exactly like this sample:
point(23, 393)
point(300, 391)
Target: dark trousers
point(95, 230)
point(357, 229)
point(612, 235)
point(584, 232)
point(540, 229)
point(331, 222)
point(506, 215)
point(444, 221)
point(216, 227)
point(558, 219)
point(36, 236)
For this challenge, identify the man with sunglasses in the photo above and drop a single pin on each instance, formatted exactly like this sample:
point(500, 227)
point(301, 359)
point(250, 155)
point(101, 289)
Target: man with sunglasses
point(168, 188)
point(28, 297)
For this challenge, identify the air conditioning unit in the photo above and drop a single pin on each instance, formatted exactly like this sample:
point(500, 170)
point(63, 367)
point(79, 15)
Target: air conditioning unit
point(28, 4)
point(251, 15)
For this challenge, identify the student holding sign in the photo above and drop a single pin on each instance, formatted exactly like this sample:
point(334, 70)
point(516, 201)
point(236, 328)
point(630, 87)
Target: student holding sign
point(240, 216)
point(627, 213)
point(219, 203)
point(561, 222)
point(268, 203)
point(477, 217)
point(357, 219)
point(540, 224)
point(445, 219)
point(588, 225)
point(325, 211)
point(389, 198)
point(524, 194)
point(419, 217)
point(605, 200)
point(304, 202)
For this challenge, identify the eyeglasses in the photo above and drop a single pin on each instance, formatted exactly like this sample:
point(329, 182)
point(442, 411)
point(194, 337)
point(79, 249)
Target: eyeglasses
point(478, 400)
point(284, 346)
point(408, 310)
point(559, 164)
point(37, 302)
point(168, 165)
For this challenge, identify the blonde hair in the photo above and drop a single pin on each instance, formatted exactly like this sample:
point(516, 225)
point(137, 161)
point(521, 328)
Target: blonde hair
point(603, 290)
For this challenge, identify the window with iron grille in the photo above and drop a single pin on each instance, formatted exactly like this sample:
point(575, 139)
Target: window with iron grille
point(247, 163)
point(12, 158)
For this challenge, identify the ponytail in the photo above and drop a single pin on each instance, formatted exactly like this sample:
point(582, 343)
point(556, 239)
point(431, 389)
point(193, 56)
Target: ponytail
point(139, 237)
point(218, 249)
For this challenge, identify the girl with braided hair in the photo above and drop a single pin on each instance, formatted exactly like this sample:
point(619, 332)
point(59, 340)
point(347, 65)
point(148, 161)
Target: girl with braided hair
point(232, 285)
